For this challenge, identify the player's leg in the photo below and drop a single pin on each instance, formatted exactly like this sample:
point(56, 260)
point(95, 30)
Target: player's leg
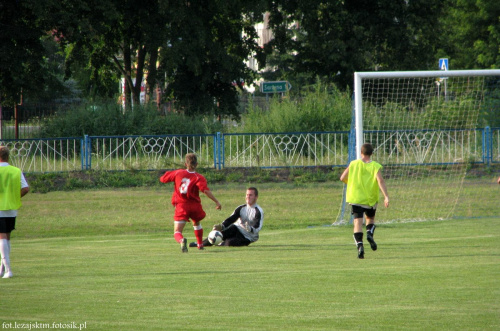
point(358, 237)
point(198, 233)
point(205, 243)
point(181, 217)
point(370, 229)
point(5, 255)
point(231, 236)
point(7, 224)
point(178, 228)
point(197, 214)
point(357, 213)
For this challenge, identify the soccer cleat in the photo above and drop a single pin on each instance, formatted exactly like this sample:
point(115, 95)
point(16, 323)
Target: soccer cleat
point(361, 251)
point(201, 247)
point(8, 274)
point(184, 247)
point(193, 244)
point(372, 242)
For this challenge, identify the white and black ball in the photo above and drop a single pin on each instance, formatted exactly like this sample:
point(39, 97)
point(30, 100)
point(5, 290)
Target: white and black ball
point(215, 237)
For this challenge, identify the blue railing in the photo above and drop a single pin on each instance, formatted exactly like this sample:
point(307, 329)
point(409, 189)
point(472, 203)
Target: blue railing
point(263, 150)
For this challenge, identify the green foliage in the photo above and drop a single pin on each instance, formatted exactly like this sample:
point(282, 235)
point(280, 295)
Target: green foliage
point(200, 47)
point(193, 52)
point(457, 110)
point(333, 39)
point(471, 34)
point(43, 183)
point(23, 66)
point(323, 108)
point(109, 119)
point(205, 59)
point(490, 108)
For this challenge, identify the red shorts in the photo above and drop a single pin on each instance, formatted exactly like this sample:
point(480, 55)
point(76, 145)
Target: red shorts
point(186, 211)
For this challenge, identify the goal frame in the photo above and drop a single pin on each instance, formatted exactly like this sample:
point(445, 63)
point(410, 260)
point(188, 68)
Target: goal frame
point(358, 92)
point(357, 130)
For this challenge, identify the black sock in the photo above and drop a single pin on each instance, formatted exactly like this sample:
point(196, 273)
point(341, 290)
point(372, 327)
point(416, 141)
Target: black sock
point(370, 228)
point(358, 237)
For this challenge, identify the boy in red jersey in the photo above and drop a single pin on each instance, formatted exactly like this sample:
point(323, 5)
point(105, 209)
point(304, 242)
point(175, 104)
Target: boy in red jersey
point(186, 199)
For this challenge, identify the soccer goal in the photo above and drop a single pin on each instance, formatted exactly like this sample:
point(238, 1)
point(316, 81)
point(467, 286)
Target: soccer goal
point(426, 130)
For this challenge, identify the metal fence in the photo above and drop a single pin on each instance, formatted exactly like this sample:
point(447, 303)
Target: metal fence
point(264, 150)
point(492, 145)
point(147, 152)
point(285, 149)
point(46, 155)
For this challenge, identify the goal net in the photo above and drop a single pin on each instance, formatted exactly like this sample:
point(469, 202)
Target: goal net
point(426, 132)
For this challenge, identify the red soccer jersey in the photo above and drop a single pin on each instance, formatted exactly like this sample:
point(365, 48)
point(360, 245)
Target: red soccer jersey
point(187, 185)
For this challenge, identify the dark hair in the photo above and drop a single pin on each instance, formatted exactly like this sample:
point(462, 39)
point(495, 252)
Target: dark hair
point(4, 153)
point(367, 149)
point(254, 190)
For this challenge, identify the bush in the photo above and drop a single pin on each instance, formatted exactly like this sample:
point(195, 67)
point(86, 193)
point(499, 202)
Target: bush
point(109, 119)
point(323, 108)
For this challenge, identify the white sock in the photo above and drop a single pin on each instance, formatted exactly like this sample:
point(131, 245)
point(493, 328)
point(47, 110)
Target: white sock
point(4, 252)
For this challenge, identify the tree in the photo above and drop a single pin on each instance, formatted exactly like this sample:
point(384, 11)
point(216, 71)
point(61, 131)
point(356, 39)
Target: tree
point(198, 44)
point(23, 64)
point(103, 37)
point(333, 39)
point(204, 61)
point(472, 34)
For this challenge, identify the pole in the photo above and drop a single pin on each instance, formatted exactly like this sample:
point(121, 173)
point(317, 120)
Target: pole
point(16, 123)
point(445, 91)
point(358, 113)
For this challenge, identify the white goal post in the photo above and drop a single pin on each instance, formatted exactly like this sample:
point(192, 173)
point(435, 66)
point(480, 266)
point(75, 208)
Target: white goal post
point(426, 128)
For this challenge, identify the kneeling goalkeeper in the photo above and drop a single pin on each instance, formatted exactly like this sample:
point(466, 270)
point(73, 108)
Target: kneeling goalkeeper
point(243, 226)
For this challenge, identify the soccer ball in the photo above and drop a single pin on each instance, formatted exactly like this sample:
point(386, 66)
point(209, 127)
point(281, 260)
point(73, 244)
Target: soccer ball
point(215, 237)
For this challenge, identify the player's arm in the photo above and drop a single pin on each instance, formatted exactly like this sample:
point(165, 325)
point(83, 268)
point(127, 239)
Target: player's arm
point(24, 186)
point(345, 175)
point(230, 220)
point(258, 221)
point(167, 177)
point(209, 194)
point(383, 188)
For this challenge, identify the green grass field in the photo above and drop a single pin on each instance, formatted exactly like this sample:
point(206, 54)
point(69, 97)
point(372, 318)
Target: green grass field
point(106, 260)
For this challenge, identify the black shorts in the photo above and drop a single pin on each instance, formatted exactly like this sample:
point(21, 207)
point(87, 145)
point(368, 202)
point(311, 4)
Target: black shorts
point(7, 224)
point(233, 237)
point(358, 211)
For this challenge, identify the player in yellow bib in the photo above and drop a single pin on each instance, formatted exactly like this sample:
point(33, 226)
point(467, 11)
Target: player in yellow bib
point(13, 187)
point(364, 179)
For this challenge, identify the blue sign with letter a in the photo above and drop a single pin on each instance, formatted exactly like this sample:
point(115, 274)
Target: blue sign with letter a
point(443, 64)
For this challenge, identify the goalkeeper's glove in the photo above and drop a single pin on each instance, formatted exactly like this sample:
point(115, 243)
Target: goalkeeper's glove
point(248, 227)
point(219, 227)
